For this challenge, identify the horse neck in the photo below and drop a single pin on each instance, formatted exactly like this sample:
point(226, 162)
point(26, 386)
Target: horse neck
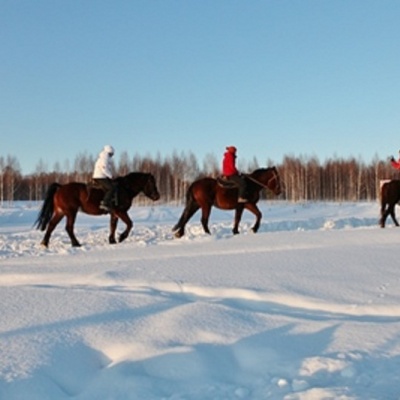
point(135, 181)
point(262, 175)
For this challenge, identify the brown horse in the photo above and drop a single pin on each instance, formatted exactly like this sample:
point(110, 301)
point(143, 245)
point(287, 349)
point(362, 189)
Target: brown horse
point(390, 196)
point(207, 192)
point(66, 200)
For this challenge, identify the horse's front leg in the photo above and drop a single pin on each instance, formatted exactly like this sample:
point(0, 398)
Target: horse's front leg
point(238, 217)
point(113, 228)
point(129, 224)
point(255, 210)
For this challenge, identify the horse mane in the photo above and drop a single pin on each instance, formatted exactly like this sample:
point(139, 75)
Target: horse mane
point(261, 170)
point(132, 175)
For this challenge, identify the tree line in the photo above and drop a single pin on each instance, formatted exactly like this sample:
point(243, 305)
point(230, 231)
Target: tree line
point(303, 178)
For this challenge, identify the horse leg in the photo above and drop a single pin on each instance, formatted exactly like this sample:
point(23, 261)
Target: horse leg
point(52, 225)
point(113, 228)
point(205, 216)
point(393, 214)
point(384, 214)
point(238, 217)
point(128, 222)
point(69, 227)
point(188, 213)
point(256, 211)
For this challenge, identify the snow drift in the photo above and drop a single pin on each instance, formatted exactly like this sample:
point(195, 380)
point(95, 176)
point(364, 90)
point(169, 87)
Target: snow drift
point(308, 308)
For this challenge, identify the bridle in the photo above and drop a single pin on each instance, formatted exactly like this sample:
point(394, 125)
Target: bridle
point(274, 177)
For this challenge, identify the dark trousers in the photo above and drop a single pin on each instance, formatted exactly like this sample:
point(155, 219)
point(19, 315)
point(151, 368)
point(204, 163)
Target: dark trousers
point(240, 182)
point(110, 187)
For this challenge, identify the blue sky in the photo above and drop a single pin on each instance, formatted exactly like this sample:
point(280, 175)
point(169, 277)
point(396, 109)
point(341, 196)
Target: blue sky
point(274, 78)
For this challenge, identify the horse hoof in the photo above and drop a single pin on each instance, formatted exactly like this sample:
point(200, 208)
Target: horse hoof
point(122, 238)
point(178, 235)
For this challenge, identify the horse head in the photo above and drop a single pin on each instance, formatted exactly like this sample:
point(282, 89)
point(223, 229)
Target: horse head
point(137, 182)
point(269, 178)
point(275, 182)
point(150, 188)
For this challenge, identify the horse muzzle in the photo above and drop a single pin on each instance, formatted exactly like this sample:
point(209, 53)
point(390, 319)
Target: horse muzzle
point(155, 196)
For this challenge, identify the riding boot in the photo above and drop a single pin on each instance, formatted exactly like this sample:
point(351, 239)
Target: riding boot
point(109, 200)
point(105, 204)
point(241, 184)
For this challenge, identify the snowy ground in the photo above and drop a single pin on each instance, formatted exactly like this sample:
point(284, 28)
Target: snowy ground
point(308, 308)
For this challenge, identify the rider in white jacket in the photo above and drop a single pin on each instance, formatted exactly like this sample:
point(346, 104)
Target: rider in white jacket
point(103, 176)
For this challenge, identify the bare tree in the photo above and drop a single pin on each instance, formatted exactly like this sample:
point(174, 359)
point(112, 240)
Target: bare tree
point(2, 172)
point(12, 173)
point(83, 167)
point(124, 164)
point(39, 180)
point(211, 166)
point(303, 178)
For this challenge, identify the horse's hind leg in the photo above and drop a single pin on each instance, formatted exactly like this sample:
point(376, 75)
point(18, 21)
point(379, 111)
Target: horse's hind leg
point(69, 227)
point(52, 225)
point(188, 213)
point(393, 214)
point(205, 216)
point(382, 221)
point(384, 214)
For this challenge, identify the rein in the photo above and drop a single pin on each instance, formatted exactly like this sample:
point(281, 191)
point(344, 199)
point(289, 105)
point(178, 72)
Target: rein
point(261, 184)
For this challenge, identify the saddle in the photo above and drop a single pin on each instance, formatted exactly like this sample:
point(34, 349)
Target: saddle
point(94, 185)
point(225, 183)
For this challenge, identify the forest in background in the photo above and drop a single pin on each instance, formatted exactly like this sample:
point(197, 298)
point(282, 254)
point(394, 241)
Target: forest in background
point(303, 178)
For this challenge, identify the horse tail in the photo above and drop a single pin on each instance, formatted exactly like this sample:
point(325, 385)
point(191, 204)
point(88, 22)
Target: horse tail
point(382, 191)
point(47, 209)
point(191, 207)
point(389, 193)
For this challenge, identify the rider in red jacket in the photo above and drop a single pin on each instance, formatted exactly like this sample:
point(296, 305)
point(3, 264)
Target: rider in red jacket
point(231, 173)
point(229, 162)
point(395, 164)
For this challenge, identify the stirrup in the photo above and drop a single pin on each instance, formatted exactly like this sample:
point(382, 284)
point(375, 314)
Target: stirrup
point(105, 207)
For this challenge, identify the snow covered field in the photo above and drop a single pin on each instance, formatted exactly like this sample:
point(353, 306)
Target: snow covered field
point(308, 308)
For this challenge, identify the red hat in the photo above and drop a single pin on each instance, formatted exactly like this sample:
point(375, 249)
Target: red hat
point(231, 149)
